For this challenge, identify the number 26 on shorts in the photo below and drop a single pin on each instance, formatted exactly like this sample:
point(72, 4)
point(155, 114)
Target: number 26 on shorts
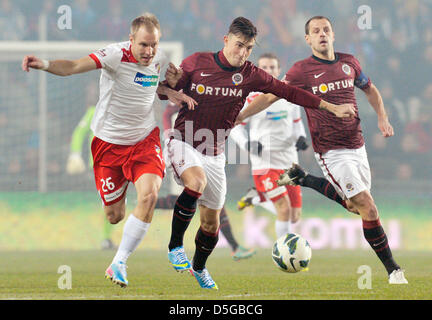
point(107, 185)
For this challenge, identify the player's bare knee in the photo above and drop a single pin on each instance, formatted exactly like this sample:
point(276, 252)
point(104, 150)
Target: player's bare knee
point(197, 184)
point(115, 216)
point(210, 226)
point(147, 200)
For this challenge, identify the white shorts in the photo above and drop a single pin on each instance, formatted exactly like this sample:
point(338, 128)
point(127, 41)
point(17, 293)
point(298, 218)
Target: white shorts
point(181, 156)
point(347, 169)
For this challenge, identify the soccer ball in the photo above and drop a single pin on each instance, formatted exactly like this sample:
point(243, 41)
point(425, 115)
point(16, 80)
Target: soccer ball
point(291, 253)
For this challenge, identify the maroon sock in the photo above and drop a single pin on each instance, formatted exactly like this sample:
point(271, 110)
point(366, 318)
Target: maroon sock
point(205, 242)
point(375, 235)
point(324, 187)
point(184, 210)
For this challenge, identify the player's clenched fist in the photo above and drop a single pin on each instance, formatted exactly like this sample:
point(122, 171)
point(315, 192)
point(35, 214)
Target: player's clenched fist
point(32, 62)
point(173, 74)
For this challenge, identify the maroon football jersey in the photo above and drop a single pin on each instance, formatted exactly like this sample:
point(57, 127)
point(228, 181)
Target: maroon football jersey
point(221, 91)
point(333, 81)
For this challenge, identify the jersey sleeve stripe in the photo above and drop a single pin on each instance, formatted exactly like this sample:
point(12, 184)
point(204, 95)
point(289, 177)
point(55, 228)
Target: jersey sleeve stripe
point(98, 63)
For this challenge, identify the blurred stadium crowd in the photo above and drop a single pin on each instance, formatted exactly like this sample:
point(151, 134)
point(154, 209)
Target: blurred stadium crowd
point(396, 53)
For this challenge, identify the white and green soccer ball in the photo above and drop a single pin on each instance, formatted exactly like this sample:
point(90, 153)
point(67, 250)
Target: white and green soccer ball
point(291, 253)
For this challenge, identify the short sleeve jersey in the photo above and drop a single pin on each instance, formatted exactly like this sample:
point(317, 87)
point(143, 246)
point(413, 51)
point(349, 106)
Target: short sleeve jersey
point(124, 113)
point(333, 81)
point(221, 92)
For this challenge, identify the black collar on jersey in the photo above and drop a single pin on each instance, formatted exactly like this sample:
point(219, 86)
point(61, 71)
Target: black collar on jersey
point(221, 65)
point(336, 59)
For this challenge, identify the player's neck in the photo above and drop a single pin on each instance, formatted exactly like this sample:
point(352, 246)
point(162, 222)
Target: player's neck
point(328, 55)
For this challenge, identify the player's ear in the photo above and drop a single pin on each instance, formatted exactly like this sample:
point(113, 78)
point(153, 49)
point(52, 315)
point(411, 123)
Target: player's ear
point(307, 38)
point(131, 38)
point(225, 38)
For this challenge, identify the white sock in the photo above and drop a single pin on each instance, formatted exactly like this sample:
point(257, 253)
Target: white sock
point(269, 206)
point(282, 228)
point(134, 231)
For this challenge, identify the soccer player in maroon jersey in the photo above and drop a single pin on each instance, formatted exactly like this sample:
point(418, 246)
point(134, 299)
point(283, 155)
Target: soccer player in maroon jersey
point(219, 82)
point(338, 143)
point(238, 252)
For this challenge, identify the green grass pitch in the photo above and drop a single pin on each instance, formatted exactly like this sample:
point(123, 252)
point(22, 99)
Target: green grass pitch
point(332, 276)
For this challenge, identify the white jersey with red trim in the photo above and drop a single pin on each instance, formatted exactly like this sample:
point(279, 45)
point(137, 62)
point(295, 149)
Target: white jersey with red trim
point(124, 113)
point(277, 128)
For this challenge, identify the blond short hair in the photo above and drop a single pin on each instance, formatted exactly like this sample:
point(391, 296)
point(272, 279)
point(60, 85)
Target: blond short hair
point(148, 20)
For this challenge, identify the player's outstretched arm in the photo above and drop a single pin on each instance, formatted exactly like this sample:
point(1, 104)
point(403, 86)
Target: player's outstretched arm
point(374, 97)
point(258, 104)
point(176, 97)
point(59, 67)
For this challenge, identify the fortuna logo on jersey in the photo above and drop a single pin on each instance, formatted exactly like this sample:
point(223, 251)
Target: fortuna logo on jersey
point(145, 80)
point(229, 92)
point(331, 86)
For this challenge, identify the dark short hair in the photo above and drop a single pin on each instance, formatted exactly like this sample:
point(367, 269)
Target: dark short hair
point(243, 26)
point(315, 18)
point(269, 55)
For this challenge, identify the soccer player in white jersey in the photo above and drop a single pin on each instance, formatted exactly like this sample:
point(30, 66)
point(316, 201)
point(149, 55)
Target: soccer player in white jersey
point(126, 147)
point(274, 133)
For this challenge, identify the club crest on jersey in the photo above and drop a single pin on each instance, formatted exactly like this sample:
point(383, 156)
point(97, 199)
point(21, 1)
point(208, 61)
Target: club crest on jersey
point(346, 68)
point(208, 90)
point(350, 187)
point(145, 80)
point(237, 78)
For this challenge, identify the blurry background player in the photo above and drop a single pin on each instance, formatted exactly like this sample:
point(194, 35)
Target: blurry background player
point(238, 252)
point(76, 164)
point(338, 143)
point(275, 136)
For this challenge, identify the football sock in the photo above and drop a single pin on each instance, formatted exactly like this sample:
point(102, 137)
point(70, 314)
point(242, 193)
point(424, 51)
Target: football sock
point(375, 235)
point(225, 228)
point(323, 186)
point(205, 242)
point(167, 202)
point(282, 228)
point(184, 210)
point(134, 231)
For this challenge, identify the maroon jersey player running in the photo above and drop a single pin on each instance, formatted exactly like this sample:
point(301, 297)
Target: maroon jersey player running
point(220, 83)
point(338, 143)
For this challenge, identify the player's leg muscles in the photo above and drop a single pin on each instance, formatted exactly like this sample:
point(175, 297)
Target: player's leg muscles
point(147, 187)
point(115, 212)
point(372, 229)
point(206, 237)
